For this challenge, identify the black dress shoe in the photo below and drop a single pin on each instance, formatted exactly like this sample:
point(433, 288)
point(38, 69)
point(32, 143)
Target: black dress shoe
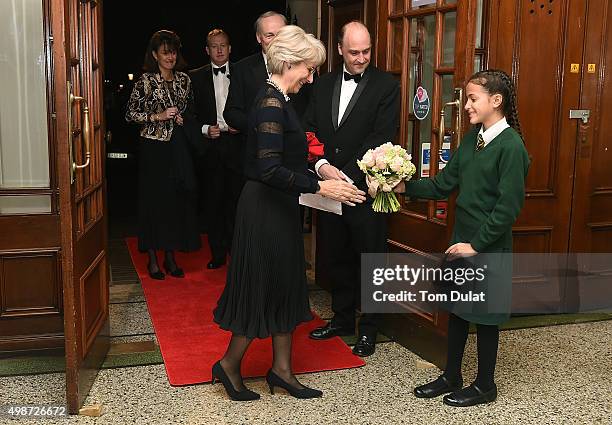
point(365, 346)
point(158, 275)
point(438, 387)
point(470, 396)
point(176, 271)
point(215, 264)
point(330, 331)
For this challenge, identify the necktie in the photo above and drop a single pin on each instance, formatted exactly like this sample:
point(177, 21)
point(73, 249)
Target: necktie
point(220, 69)
point(354, 77)
point(480, 144)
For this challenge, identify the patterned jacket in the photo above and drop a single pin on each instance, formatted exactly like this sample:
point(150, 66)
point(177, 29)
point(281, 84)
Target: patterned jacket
point(150, 96)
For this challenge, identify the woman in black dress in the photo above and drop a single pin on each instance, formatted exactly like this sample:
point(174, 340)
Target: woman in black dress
point(266, 292)
point(166, 181)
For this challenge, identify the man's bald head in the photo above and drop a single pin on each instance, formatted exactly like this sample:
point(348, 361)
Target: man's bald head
point(355, 46)
point(351, 27)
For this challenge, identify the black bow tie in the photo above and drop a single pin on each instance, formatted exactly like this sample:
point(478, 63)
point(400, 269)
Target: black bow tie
point(220, 69)
point(355, 77)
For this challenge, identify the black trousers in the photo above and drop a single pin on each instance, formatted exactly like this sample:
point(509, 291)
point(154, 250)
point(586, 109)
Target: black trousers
point(345, 237)
point(221, 181)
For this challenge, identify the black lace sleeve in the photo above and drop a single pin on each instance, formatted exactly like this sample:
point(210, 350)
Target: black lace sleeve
point(270, 147)
point(137, 110)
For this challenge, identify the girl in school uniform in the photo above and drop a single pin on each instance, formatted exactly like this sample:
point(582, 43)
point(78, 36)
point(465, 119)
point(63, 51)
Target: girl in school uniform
point(489, 170)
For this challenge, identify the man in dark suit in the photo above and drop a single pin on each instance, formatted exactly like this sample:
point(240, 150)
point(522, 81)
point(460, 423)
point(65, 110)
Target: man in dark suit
point(351, 110)
point(250, 74)
point(220, 167)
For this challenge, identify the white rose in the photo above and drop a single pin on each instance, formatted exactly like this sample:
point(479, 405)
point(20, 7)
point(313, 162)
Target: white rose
point(396, 164)
point(368, 159)
point(381, 162)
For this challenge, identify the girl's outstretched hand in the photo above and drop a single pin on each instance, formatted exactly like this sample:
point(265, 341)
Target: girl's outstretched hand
point(460, 249)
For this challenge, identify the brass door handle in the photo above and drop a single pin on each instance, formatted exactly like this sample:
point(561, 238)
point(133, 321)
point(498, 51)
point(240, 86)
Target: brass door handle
point(458, 121)
point(85, 130)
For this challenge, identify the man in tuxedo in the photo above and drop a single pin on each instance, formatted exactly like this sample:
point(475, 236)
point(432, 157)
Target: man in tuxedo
point(220, 166)
point(251, 73)
point(351, 110)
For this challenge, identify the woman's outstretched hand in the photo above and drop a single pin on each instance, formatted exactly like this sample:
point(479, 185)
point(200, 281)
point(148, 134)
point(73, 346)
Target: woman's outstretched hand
point(342, 191)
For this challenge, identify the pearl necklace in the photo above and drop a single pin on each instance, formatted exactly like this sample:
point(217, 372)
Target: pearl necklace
point(273, 84)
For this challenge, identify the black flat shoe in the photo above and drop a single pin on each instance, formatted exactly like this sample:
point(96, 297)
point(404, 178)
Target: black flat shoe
point(470, 396)
point(438, 387)
point(175, 272)
point(274, 380)
point(218, 374)
point(365, 346)
point(158, 275)
point(330, 331)
point(215, 264)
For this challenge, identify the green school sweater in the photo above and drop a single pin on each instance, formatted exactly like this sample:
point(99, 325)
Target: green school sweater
point(491, 186)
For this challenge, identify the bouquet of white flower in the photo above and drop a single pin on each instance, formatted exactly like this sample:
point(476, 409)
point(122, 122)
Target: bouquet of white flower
point(385, 167)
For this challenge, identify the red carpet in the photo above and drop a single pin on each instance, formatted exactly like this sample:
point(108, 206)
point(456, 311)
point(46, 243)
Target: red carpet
point(189, 340)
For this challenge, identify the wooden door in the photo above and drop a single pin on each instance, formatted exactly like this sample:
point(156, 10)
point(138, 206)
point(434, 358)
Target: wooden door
point(336, 13)
point(78, 84)
point(428, 44)
point(591, 211)
point(557, 53)
point(31, 308)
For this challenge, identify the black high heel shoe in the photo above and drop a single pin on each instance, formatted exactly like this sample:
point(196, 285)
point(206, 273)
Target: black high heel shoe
point(176, 272)
point(158, 275)
point(274, 380)
point(219, 374)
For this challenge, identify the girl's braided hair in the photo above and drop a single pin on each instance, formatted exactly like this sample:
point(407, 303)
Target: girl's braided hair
point(495, 81)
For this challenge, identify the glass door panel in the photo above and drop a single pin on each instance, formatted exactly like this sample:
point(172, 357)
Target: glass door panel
point(448, 39)
point(420, 92)
point(24, 141)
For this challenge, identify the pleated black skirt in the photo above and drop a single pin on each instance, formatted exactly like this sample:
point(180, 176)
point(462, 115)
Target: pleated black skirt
point(266, 291)
point(167, 195)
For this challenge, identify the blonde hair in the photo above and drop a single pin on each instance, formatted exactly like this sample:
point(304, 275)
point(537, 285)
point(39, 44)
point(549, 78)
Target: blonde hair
point(292, 45)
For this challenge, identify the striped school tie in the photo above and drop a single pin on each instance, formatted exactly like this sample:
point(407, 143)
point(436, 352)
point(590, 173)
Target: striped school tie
point(480, 144)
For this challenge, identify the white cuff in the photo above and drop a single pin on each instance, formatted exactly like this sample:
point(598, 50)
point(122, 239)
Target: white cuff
point(318, 165)
point(205, 130)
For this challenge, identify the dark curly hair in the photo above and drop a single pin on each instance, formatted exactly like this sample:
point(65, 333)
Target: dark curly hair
point(169, 40)
point(496, 81)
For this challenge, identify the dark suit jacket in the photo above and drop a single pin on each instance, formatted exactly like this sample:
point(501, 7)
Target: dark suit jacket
point(204, 94)
point(205, 105)
point(247, 77)
point(371, 118)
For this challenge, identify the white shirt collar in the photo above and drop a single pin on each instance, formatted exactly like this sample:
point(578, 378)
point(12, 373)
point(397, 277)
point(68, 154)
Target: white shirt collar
point(345, 70)
point(492, 132)
point(224, 65)
point(265, 62)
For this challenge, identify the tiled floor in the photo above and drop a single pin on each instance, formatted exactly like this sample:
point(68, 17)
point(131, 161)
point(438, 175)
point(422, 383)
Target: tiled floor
point(558, 374)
